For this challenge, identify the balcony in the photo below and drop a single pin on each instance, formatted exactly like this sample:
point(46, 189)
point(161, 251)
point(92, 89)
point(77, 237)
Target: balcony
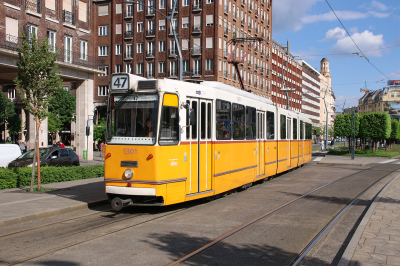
point(68, 17)
point(172, 53)
point(197, 6)
point(9, 42)
point(172, 73)
point(268, 22)
point(150, 12)
point(33, 5)
point(128, 34)
point(249, 64)
point(150, 54)
point(128, 56)
point(225, 53)
point(226, 10)
point(249, 26)
point(256, 31)
point(196, 73)
point(196, 29)
point(150, 33)
point(226, 32)
point(262, 18)
point(196, 51)
point(170, 10)
point(234, 16)
point(256, 13)
point(242, 3)
point(129, 14)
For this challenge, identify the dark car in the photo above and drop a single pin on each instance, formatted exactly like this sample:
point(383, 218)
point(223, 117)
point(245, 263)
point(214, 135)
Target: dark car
point(54, 156)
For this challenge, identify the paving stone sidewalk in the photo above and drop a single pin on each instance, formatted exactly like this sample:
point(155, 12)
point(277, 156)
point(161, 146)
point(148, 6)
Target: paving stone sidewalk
point(378, 234)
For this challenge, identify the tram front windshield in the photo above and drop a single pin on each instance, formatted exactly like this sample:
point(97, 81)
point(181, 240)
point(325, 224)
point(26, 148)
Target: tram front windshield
point(134, 121)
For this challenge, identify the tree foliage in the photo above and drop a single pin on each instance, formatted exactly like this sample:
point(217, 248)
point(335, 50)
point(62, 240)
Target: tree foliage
point(395, 134)
point(6, 108)
point(37, 81)
point(99, 131)
point(376, 126)
point(14, 124)
point(61, 109)
point(342, 125)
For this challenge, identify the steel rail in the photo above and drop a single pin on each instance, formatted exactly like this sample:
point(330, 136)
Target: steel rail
point(234, 231)
point(92, 238)
point(315, 240)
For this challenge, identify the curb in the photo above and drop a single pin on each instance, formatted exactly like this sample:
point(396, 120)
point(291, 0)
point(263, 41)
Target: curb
point(52, 213)
point(348, 253)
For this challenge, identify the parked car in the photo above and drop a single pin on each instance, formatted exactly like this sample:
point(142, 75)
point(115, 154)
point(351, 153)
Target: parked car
point(8, 153)
point(54, 156)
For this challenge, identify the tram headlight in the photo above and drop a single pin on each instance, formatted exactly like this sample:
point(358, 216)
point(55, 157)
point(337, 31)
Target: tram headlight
point(128, 173)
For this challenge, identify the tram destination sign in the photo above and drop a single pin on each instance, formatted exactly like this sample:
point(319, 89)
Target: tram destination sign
point(120, 82)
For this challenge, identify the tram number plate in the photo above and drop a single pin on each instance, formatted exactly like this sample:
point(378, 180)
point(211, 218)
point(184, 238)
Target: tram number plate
point(130, 151)
point(120, 82)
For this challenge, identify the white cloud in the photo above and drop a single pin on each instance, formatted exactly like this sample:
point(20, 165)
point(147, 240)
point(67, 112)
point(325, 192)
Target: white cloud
point(334, 34)
point(287, 14)
point(343, 15)
point(353, 29)
point(365, 41)
point(379, 6)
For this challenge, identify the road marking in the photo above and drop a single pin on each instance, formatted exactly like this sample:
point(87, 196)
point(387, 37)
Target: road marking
point(389, 161)
point(318, 159)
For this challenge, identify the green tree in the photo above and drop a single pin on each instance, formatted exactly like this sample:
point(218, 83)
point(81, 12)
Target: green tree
point(6, 109)
point(61, 109)
point(37, 81)
point(375, 126)
point(14, 124)
point(99, 131)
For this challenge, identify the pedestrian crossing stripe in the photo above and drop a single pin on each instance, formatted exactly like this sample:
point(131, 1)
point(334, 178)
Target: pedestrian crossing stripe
point(318, 159)
point(390, 161)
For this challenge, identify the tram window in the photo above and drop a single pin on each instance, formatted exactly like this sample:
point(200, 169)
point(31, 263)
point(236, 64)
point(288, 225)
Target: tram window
point(301, 129)
point(209, 120)
point(283, 126)
point(223, 119)
point(203, 120)
point(187, 120)
point(270, 125)
point(251, 126)
point(194, 127)
point(238, 121)
point(294, 128)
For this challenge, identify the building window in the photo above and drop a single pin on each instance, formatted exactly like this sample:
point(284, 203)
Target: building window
point(139, 47)
point(185, 22)
point(66, 88)
point(129, 68)
point(161, 24)
point(209, 64)
point(161, 67)
point(103, 50)
point(219, 65)
point(140, 6)
point(140, 26)
point(185, 66)
point(209, 20)
point(67, 49)
point(11, 93)
point(118, 49)
point(103, 90)
point(118, 68)
point(103, 11)
point(32, 31)
point(210, 1)
point(129, 10)
point(139, 68)
point(209, 42)
point(197, 67)
point(185, 44)
point(103, 30)
point(161, 46)
point(150, 70)
point(118, 29)
point(129, 53)
point(118, 8)
point(83, 55)
point(51, 37)
point(105, 69)
point(162, 4)
point(185, 3)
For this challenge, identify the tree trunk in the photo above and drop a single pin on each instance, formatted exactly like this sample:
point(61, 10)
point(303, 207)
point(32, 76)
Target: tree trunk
point(37, 152)
point(33, 166)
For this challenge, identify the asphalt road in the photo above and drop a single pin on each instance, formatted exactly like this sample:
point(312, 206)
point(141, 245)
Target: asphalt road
point(160, 236)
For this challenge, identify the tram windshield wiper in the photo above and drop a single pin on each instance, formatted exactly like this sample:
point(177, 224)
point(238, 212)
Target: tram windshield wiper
point(117, 104)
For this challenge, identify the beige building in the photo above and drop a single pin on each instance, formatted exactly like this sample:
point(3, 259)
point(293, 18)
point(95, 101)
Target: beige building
point(327, 92)
point(382, 100)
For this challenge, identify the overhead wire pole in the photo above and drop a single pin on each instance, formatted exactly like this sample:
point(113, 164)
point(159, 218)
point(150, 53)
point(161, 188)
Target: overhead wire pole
point(170, 18)
point(283, 77)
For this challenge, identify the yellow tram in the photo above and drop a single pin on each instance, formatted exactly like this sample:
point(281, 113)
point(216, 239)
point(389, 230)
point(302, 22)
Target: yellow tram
point(170, 141)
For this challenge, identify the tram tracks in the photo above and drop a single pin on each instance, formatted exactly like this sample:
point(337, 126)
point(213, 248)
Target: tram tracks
point(309, 246)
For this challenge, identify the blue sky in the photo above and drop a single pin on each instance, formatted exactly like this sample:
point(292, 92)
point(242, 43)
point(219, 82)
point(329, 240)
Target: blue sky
point(314, 33)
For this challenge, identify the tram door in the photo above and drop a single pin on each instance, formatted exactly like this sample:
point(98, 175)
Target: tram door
point(301, 150)
point(260, 142)
point(200, 146)
point(289, 138)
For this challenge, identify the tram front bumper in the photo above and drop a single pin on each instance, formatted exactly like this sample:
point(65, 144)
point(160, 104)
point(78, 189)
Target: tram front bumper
point(135, 191)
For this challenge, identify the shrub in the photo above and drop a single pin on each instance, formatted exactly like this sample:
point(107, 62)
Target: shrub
point(20, 177)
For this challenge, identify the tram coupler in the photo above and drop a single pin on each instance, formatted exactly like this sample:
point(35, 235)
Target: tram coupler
point(117, 204)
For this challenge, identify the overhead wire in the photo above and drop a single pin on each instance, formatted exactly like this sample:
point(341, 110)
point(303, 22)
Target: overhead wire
point(363, 55)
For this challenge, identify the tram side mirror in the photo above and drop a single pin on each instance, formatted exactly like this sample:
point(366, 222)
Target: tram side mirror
point(192, 117)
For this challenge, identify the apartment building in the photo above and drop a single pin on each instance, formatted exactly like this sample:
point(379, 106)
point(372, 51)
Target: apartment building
point(68, 27)
point(310, 92)
point(286, 72)
point(139, 39)
point(386, 100)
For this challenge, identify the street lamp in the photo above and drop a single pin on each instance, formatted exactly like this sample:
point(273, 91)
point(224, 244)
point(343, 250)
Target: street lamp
point(170, 18)
point(287, 95)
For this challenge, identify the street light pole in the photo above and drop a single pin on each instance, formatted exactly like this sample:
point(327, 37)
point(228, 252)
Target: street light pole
point(170, 18)
point(327, 113)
